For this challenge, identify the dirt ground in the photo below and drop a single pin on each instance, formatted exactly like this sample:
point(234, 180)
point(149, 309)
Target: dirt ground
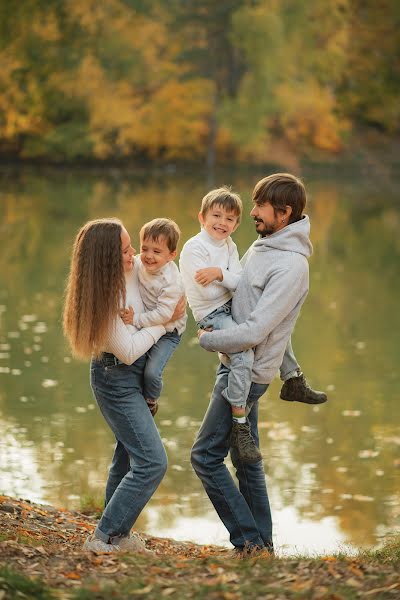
point(45, 544)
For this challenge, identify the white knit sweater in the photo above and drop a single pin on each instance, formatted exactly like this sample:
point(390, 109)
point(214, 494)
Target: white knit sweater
point(203, 251)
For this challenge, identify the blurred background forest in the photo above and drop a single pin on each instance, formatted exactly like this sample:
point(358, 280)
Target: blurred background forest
point(251, 81)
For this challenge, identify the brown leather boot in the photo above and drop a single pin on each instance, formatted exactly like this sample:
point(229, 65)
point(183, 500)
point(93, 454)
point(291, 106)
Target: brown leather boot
point(296, 389)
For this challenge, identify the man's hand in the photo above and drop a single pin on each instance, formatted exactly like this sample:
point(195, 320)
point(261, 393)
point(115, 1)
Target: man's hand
point(180, 309)
point(126, 315)
point(201, 331)
point(207, 275)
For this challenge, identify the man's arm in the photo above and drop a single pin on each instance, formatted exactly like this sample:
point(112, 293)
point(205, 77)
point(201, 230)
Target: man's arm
point(281, 295)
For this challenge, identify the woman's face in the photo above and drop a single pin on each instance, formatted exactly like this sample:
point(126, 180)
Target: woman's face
point(127, 251)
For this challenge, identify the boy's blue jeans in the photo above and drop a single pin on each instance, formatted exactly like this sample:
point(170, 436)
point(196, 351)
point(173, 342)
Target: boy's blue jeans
point(140, 461)
point(241, 363)
point(244, 509)
point(156, 359)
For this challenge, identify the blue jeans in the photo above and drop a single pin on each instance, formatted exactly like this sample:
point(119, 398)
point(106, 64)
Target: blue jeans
point(157, 358)
point(139, 462)
point(241, 363)
point(245, 509)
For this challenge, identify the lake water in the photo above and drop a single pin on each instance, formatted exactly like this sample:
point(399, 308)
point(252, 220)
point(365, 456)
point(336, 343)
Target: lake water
point(332, 471)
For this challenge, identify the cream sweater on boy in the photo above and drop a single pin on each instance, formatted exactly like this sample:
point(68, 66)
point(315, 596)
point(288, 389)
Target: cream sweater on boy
point(160, 292)
point(203, 251)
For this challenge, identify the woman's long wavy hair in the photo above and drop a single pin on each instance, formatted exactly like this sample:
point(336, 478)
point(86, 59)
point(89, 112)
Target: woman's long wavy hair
point(95, 288)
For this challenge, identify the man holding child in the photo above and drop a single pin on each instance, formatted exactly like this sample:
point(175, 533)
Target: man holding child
point(265, 306)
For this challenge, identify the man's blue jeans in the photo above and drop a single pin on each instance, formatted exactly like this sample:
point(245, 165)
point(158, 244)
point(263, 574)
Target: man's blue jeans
point(156, 360)
point(244, 509)
point(139, 462)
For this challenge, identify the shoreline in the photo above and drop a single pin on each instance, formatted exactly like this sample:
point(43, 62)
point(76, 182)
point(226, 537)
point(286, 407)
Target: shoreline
point(41, 556)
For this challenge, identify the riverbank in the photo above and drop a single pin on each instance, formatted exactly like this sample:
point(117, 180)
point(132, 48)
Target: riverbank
point(41, 557)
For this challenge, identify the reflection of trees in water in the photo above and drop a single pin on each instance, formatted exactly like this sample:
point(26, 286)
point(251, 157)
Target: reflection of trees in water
point(345, 339)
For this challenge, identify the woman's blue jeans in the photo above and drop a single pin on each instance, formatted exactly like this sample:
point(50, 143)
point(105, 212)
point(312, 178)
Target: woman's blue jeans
point(139, 462)
point(244, 509)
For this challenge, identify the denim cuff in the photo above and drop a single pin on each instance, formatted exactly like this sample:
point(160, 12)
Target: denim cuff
point(101, 536)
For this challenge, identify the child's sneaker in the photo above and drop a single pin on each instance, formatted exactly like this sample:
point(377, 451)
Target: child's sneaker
point(243, 442)
point(153, 406)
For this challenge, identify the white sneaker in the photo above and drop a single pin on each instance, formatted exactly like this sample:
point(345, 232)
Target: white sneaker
point(133, 543)
point(94, 544)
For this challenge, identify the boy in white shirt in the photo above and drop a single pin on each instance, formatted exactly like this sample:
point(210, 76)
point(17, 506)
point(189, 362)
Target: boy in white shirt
point(161, 287)
point(210, 269)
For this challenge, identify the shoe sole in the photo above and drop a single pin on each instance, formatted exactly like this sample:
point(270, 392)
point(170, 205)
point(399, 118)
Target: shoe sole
point(303, 401)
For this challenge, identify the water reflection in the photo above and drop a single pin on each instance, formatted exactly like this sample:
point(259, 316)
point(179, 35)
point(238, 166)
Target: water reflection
point(332, 470)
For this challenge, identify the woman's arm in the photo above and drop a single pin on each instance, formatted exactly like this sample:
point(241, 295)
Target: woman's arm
point(127, 346)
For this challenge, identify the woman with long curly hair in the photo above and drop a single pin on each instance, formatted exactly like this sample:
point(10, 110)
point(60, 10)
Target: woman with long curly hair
point(102, 282)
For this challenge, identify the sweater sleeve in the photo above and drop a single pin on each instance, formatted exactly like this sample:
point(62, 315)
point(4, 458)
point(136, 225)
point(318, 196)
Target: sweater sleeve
point(284, 290)
point(191, 261)
point(166, 303)
point(127, 346)
point(231, 275)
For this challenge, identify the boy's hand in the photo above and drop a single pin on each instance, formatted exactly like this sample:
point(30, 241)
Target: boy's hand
point(126, 315)
point(207, 275)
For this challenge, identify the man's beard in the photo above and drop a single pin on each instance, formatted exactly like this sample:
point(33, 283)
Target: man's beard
point(266, 229)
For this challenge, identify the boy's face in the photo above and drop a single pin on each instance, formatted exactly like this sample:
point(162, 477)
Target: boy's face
point(218, 222)
point(154, 254)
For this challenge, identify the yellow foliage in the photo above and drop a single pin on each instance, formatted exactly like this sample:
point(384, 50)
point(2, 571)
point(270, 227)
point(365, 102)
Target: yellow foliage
point(16, 119)
point(308, 115)
point(47, 28)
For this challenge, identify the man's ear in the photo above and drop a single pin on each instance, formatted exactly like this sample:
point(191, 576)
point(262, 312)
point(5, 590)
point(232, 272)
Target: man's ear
point(288, 212)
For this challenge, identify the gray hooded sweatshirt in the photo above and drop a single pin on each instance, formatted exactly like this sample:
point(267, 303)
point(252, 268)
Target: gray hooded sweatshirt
point(267, 301)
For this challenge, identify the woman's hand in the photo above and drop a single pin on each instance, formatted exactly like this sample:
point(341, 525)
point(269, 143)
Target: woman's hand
point(127, 315)
point(180, 309)
point(207, 275)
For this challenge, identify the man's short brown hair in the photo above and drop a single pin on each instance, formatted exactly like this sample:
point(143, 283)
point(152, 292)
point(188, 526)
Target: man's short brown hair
point(161, 228)
point(281, 190)
point(224, 197)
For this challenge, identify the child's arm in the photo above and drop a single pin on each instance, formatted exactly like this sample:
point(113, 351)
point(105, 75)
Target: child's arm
point(229, 277)
point(166, 303)
point(192, 260)
point(207, 275)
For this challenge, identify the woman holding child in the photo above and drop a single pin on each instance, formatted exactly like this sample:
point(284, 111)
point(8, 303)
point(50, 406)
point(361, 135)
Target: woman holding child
point(103, 280)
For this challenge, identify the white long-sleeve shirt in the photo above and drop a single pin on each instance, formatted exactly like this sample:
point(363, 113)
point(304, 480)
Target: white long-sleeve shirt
point(203, 251)
point(125, 341)
point(160, 292)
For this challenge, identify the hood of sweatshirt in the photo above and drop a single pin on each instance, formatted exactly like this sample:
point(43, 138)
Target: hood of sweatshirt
point(292, 238)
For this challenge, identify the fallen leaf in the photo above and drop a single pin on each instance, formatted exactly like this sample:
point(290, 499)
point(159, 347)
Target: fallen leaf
point(72, 575)
point(142, 591)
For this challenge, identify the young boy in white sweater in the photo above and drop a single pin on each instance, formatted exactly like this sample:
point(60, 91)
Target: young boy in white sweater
point(210, 269)
point(161, 288)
